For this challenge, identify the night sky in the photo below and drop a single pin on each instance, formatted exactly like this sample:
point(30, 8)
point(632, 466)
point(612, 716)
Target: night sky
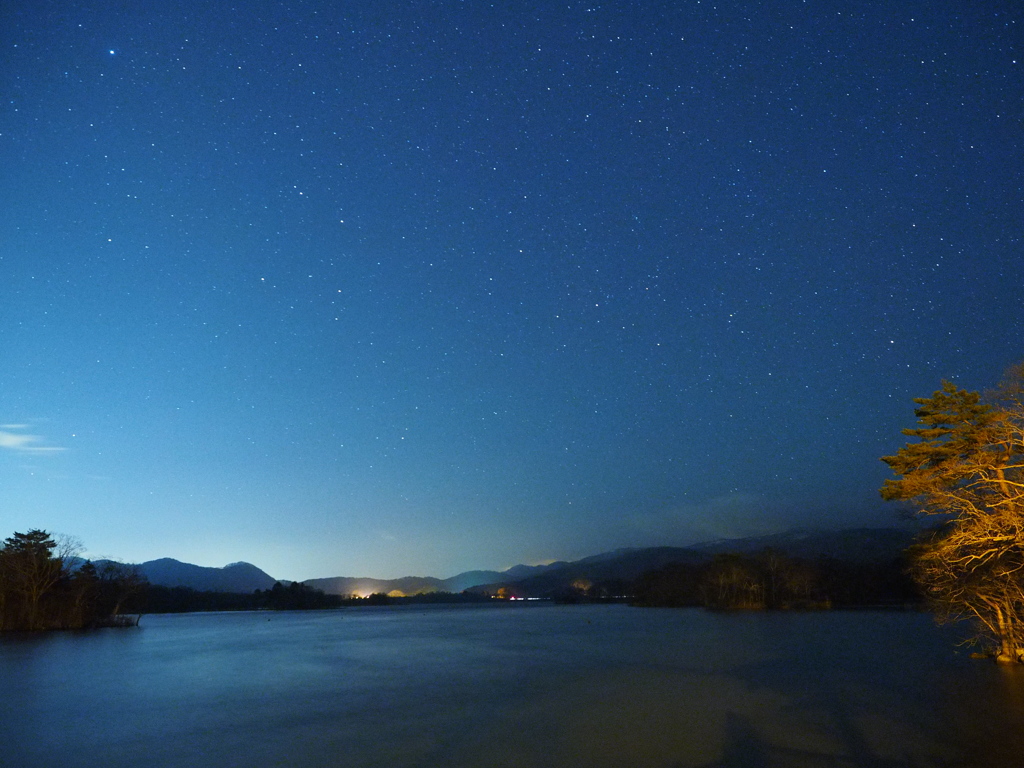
point(390, 288)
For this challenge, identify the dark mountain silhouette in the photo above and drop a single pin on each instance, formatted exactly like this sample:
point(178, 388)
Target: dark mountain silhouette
point(469, 579)
point(518, 572)
point(861, 545)
point(363, 586)
point(236, 577)
point(620, 566)
point(853, 544)
point(407, 585)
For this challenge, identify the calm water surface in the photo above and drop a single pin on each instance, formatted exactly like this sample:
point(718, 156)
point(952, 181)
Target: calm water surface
point(511, 686)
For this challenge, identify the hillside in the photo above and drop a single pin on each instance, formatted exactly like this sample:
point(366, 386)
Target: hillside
point(863, 545)
point(236, 577)
point(618, 567)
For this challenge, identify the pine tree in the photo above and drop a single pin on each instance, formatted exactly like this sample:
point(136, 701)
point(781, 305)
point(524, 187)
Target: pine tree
point(30, 570)
point(968, 468)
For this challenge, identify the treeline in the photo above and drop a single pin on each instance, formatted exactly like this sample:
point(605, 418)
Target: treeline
point(44, 586)
point(772, 580)
point(293, 597)
point(423, 598)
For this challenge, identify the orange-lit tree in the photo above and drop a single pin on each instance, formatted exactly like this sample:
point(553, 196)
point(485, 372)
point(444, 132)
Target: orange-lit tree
point(967, 468)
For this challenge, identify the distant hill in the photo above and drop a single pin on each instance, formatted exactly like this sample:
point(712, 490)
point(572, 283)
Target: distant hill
point(470, 579)
point(860, 545)
point(618, 566)
point(363, 586)
point(519, 572)
point(854, 544)
point(407, 585)
point(236, 577)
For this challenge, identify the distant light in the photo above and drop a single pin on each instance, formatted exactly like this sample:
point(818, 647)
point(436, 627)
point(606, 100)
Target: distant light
point(112, 52)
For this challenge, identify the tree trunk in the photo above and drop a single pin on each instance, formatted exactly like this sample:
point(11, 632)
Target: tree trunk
point(1010, 650)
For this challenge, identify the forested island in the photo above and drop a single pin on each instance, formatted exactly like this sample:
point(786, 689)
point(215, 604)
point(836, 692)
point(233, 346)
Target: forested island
point(772, 580)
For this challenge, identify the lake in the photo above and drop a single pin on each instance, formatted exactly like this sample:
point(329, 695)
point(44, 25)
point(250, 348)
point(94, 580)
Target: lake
point(508, 685)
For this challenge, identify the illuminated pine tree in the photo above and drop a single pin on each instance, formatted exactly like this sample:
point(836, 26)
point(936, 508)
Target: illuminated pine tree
point(968, 467)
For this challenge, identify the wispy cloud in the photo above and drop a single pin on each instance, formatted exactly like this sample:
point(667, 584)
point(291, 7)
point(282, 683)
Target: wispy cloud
point(13, 438)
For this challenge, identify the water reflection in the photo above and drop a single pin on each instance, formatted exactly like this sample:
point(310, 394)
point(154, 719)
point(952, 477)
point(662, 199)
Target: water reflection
point(508, 686)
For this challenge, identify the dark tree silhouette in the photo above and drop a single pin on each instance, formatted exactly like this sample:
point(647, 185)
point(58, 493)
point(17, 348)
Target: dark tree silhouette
point(29, 570)
point(43, 585)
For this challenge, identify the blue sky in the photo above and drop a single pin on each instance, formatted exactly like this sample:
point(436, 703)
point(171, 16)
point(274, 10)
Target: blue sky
point(355, 289)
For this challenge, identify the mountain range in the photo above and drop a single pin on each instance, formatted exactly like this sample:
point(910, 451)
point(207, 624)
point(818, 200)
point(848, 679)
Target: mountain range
point(857, 545)
point(236, 577)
